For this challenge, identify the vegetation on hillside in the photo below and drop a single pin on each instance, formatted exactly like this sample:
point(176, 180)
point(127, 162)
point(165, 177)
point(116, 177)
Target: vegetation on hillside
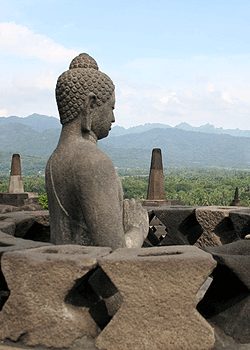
point(179, 148)
point(191, 186)
point(195, 186)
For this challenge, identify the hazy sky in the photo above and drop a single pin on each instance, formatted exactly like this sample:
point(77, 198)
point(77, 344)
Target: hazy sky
point(172, 61)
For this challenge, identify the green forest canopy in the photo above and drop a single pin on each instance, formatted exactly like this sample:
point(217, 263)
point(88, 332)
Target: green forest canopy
point(191, 186)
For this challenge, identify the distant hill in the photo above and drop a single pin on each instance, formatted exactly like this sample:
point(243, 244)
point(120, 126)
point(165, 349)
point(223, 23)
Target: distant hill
point(41, 123)
point(210, 129)
point(180, 148)
point(130, 148)
point(20, 138)
point(207, 128)
point(120, 130)
point(35, 121)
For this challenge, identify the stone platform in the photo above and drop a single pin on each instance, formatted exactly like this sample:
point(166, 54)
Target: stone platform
point(19, 199)
point(135, 287)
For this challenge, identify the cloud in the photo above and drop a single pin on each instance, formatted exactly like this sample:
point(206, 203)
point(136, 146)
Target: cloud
point(3, 112)
point(197, 90)
point(28, 86)
point(18, 40)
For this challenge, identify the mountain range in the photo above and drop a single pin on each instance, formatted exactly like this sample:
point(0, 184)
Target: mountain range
point(182, 145)
point(41, 123)
point(35, 121)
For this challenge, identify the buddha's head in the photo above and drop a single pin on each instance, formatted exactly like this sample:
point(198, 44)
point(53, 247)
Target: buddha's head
point(85, 92)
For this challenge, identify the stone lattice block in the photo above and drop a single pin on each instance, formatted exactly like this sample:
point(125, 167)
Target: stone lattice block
point(241, 221)
point(9, 243)
point(39, 281)
point(227, 302)
point(216, 225)
point(181, 225)
point(158, 287)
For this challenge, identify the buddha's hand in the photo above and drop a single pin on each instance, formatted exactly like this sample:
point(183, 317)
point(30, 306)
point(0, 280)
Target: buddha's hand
point(135, 223)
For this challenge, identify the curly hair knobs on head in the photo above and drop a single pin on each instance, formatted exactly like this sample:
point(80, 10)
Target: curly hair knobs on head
point(74, 85)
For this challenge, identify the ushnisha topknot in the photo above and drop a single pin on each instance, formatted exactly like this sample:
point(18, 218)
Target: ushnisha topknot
point(83, 61)
point(74, 85)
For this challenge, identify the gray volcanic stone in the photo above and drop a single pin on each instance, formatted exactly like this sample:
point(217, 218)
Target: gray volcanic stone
point(9, 243)
point(4, 208)
point(85, 194)
point(111, 299)
point(135, 218)
point(33, 225)
point(181, 225)
point(19, 200)
point(158, 287)
point(224, 342)
point(113, 304)
point(241, 221)
point(4, 235)
point(8, 227)
point(16, 182)
point(227, 301)
point(38, 310)
point(236, 202)
point(216, 225)
point(22, 220)
point(156, 186)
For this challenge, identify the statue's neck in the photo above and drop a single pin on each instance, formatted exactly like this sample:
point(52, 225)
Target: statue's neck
point(73, 130)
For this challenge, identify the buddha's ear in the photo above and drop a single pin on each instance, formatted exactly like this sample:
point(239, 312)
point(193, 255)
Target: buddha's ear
point(89, 104)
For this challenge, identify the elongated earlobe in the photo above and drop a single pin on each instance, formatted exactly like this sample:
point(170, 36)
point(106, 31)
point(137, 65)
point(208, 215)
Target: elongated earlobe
point(86, 117)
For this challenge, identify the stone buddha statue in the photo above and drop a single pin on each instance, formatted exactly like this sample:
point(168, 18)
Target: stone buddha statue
point(85, 194)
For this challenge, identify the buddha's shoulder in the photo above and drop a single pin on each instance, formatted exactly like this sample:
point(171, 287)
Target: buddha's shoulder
point(90, 153)
point(79, 155)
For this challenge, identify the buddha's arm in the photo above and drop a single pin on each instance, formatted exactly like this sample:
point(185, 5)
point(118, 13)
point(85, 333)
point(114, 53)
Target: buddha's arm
point(98, 194)
point(135, 223)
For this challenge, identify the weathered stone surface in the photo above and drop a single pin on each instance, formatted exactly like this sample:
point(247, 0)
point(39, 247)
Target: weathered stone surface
point(224, 342)
point(156, 186)
point(148, 203)
point(153, 237)
point(236, 202)
point(84, 343)
point(158, 287)
point(8, 227)
point(4, 208)
point(216, 225)
point(102, 284)
point(227, 301)
point(157, 231)
point(36, 310)
point(85, 194)
point(33, 225)
point(19, 199)
point(135, 218)
point(4, 235)
point(241, 221)
point(16, 182)
point(9, 243)
point(181, 225)
point(23, 220)
point(113, 304)
point(111, 299)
